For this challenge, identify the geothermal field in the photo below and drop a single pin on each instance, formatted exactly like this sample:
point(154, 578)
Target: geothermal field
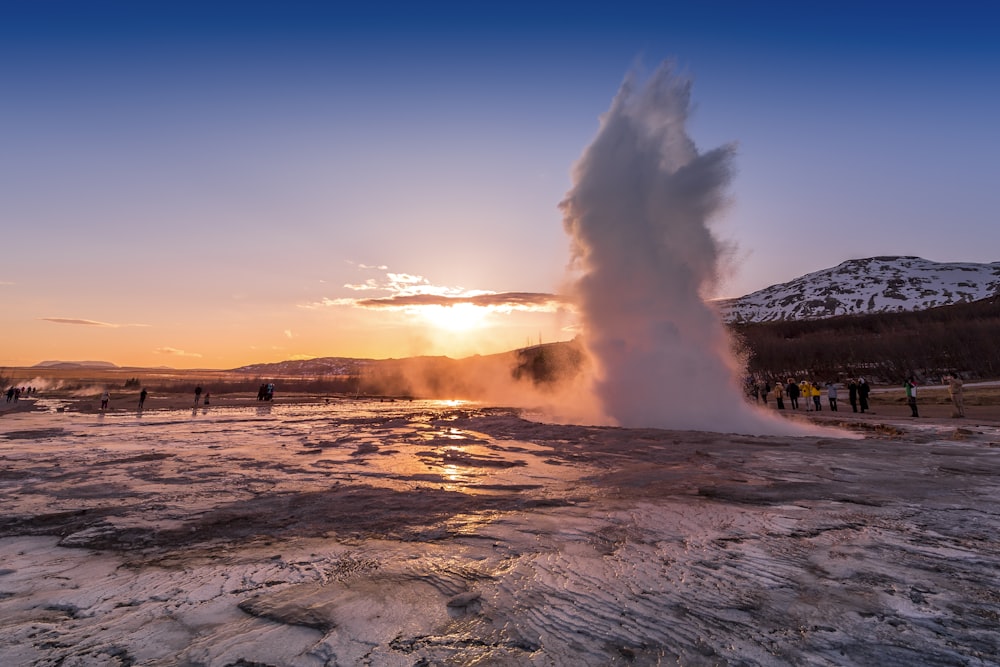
point(692, 528)
point(347, 532)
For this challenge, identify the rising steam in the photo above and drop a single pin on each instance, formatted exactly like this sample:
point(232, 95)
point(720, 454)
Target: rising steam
point(638, 216)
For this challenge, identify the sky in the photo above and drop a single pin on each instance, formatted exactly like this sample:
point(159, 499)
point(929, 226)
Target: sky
point(208, 184)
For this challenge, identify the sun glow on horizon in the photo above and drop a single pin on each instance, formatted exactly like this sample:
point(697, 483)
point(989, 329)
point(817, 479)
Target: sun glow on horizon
point(456, 317)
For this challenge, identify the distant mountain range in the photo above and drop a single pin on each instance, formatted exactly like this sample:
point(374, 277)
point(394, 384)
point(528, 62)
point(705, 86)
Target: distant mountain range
point(74, 365)
point(867, 286)
point(855, 287)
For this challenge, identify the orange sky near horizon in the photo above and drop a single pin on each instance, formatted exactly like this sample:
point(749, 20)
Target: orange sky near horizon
point(399, 315)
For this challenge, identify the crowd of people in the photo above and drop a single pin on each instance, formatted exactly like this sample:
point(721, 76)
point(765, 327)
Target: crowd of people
point(858, 390)
point(811, 394)
point(14, 394)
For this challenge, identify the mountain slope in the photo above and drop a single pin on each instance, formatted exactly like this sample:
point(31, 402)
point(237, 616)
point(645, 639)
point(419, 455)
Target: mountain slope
point(317, 367)
point(73, 365)
point(873, 285)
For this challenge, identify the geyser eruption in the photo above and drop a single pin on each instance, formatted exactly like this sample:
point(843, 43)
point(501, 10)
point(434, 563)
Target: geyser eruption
point(638, 216)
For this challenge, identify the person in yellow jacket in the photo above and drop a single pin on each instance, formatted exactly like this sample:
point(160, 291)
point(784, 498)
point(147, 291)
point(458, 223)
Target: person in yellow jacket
point(779, 395)
point(817, 395)
point(805, 389)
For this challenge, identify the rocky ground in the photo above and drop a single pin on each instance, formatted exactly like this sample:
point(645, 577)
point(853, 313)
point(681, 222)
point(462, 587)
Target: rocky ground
point(315, 532)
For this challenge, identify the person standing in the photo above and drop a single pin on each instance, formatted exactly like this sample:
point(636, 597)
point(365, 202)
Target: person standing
point(793, 393)
point(852, 394)
point(208, 395)
point(105, 399)
point(955, 391)
point(142, 397)
point(863, 390)
point(197, 394)
point(805, 391)
point(779, 395)
point(911, 395)
point(831, 395)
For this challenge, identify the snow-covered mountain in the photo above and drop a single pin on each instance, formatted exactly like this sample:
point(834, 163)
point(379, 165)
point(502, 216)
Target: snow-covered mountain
point(873, 285)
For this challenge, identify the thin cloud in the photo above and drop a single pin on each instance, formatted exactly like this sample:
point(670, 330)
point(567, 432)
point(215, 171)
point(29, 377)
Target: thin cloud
point(367, 267)
point(534, 301)
point(6, 282)
point(173, 351)
point(70, 320)
point(88, 323)
point(327, 303)
point(407, 291)
point(369, 284)
point(396, 284)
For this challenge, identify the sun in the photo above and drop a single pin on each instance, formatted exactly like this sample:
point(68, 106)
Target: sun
point(458, 317)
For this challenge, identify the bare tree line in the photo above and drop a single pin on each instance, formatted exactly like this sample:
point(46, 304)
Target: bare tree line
point(886, 347)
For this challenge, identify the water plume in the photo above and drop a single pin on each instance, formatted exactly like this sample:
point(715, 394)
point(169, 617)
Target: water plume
point(638, 215)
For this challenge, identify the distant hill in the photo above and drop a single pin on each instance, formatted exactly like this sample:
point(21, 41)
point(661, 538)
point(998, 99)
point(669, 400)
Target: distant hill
point(474, 376)
point(886, 316)
point(867, 286)
point(317, 367)
point(885, 346)
point(73, 365)
point(881, 316)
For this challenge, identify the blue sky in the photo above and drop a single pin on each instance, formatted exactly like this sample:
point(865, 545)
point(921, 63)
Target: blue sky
point(207, 169)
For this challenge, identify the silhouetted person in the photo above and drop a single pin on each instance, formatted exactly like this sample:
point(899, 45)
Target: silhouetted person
point(793, 393)
point(142, 397)
point(911, 396)
point(197, 394)
point(863, 390)
point(105, 398)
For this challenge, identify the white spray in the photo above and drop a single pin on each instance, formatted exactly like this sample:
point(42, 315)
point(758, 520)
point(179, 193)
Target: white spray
point(638, 216)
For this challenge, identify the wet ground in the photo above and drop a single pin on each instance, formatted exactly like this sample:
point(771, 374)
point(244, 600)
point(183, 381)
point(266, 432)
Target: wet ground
point(419, 533)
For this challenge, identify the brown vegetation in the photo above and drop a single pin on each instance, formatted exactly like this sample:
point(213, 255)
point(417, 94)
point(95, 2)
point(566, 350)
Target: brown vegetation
point(887, 347)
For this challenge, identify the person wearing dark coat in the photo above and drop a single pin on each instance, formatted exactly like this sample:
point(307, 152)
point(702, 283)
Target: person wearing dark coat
point(852, 394)
point(793, 393)
point(863, 390)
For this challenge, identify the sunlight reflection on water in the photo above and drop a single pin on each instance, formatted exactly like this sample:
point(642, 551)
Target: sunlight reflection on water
point(394, 444)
